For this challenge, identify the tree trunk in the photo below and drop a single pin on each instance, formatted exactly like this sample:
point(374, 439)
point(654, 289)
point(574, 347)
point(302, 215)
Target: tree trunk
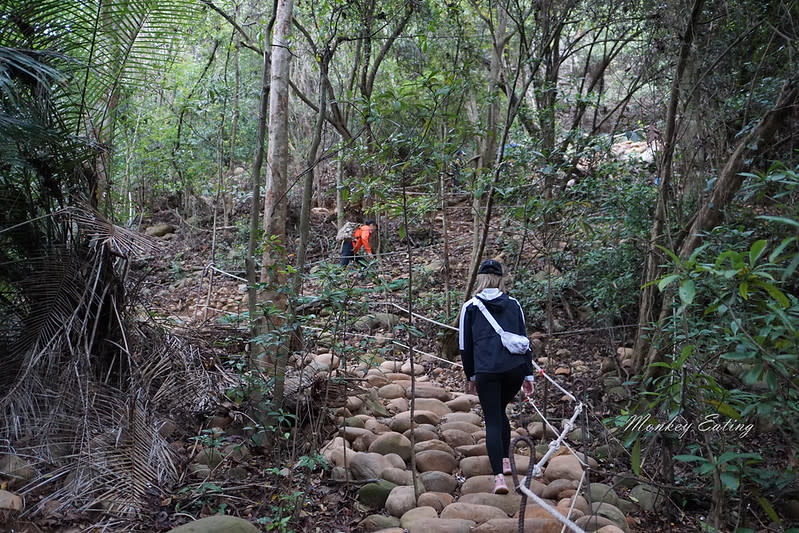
point(551, 29)
point(730, 180)
point(255, 205)
point(340, 215)
point(488, 149)
point(307, 193)
point(275, 200)
point(411, 356)
point(227, 200)
point(648, 300)
point(445, 249)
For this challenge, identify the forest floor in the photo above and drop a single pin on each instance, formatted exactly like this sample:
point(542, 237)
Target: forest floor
point(185, 288)
point(182, 287)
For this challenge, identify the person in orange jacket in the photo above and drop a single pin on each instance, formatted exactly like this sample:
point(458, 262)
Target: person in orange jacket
point(360, 239)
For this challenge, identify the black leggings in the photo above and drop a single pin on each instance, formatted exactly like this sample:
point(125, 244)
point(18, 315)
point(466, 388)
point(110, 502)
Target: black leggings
point(347, 255)
point(496, 391)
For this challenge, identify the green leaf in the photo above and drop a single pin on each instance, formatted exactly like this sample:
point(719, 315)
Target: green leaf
point(790, 269)
point(666, 280)
point(635, 459)
point(725, 409)
point(698, 251)
point(726, 457)
point(773, 256)
point(685, 353)
point(756, 250)
point(781, 220)
point(768, 509)
point(753, 374)
point(661, 364)
point(771, 379)
point(689, 458)
point(687, 291)
point(705, 468)
point(671, 254)
point(729, 481)
point(775, 293)
point(743, 289)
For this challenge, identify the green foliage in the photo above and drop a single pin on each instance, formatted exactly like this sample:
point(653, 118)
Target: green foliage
point(210, 438)
point(729, 466)
point(613, 221)
point(313, 462)
point(205, 495)
point(752, 320)
point(731, 343)
point(603, 221)
point(283, 507)
point(106, 45)
point(531, 289)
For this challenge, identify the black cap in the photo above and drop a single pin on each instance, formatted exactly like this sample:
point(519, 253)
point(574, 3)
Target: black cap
point(489, 266)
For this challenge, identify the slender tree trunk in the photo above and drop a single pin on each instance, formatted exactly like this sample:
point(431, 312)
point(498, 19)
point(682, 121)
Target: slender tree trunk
point(275, 199)
point(727, 185)
point(488, 149)
point(340, 216)
point(255, 205)
point(648, 300)
point(234, 130)
point(445, 231)
point(730, 180)
point(514, 87)
point(307, 193)
point(411, 357)
point(548, 92)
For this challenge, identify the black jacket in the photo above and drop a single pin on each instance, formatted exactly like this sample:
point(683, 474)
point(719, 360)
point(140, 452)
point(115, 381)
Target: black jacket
point(480, 346)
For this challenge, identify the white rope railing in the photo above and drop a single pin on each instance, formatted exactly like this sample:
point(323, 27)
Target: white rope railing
point(397, 343)
point(554, 512)
point(568, 426)
point(554, 445)
point(537, 469)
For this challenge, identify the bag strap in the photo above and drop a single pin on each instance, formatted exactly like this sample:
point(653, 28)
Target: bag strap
point(486, 313)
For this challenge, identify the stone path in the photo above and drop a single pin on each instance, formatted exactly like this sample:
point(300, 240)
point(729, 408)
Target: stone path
point(454, 475)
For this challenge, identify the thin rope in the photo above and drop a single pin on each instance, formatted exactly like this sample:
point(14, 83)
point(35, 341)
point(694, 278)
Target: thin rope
point(570, 424)
point(536, 470)
point(523, 486)
point(574, 500)
point(429, 355)
point(437, 323)
point(210, 266)
point(554, 512)
point(392, 341)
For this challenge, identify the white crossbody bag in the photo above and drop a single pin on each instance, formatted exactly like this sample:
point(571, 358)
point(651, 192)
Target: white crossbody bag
point(516, 344)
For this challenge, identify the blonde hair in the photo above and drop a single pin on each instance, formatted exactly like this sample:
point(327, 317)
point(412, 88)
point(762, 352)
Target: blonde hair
point(489, 281)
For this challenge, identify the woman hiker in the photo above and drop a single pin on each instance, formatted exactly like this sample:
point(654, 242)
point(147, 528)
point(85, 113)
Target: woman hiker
point(491, 369)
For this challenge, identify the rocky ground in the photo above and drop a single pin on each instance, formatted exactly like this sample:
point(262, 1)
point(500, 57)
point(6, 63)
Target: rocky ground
point(369, 484)
point(368, 439)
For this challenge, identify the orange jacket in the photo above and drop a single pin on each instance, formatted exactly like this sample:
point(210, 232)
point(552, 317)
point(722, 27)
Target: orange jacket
point(361, 239)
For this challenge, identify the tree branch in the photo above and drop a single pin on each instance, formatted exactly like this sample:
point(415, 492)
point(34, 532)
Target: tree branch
point(248, 43)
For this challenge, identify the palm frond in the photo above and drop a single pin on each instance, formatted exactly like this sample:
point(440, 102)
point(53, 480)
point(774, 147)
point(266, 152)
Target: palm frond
point(103, 45)
point(102, 232)
point(118, 459)
point(83, 386)
point(46, 304)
